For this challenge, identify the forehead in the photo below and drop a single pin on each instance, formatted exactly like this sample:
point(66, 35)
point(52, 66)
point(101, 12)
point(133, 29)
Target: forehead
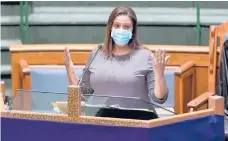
point(122, 19)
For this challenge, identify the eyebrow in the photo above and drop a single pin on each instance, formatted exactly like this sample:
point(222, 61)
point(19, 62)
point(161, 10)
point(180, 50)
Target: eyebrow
point(120, 23)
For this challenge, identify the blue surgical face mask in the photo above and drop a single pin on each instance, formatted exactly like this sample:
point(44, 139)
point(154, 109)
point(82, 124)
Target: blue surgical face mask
point(120, 36)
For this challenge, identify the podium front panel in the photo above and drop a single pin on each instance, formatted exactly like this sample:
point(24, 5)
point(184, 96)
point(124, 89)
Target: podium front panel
point(199, 129)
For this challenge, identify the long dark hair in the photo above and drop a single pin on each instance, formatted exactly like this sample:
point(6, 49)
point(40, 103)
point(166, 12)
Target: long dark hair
point(108, 42)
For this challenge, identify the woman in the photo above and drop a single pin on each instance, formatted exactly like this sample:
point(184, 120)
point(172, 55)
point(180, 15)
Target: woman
point(123, 67)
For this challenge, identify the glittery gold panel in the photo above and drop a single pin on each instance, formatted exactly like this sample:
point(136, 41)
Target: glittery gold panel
point(179, 118)
point(74, 102)
point(32, 115)
point(114, 122)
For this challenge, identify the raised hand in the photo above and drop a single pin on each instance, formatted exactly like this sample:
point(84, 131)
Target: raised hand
point(67, 59)
point(159, 61)
point(69, 67)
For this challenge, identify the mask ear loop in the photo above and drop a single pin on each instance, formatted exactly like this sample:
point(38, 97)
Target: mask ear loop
point(130, 37)
point(131, 33)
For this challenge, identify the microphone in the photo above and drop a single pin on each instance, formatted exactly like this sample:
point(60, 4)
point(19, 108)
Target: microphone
point(163, 108)
point(86, 69)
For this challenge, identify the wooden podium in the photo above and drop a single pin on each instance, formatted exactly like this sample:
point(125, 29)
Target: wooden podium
point(26, 125)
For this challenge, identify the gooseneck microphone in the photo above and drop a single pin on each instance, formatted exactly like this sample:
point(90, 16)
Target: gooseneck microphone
point(87, 68)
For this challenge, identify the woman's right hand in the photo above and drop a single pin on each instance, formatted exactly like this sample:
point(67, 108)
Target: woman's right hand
point(67, 58)
point(69, 67)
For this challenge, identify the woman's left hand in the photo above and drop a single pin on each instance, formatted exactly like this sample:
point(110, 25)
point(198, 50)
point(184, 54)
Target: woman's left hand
point(159, 61)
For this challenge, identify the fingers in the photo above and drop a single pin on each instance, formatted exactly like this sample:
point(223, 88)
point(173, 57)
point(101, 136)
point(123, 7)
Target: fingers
point(162, 55)
point(67, 58)
point(153, 58)
point(66, 49)
point(66, 53)
point(159, 57)
point(166, 59)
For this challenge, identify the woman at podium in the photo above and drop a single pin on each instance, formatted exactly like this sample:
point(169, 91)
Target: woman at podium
point(122, 66)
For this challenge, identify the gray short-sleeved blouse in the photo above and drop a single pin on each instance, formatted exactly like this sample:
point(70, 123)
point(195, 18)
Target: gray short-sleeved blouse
point(129, 75)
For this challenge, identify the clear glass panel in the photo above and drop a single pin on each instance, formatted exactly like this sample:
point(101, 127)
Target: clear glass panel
point(92, 105)
point(122, 107)
point(36, 101)
point(118, 101)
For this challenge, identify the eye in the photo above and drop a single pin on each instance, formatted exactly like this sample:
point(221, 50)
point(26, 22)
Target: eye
point(116, 26)
point(126, 27)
